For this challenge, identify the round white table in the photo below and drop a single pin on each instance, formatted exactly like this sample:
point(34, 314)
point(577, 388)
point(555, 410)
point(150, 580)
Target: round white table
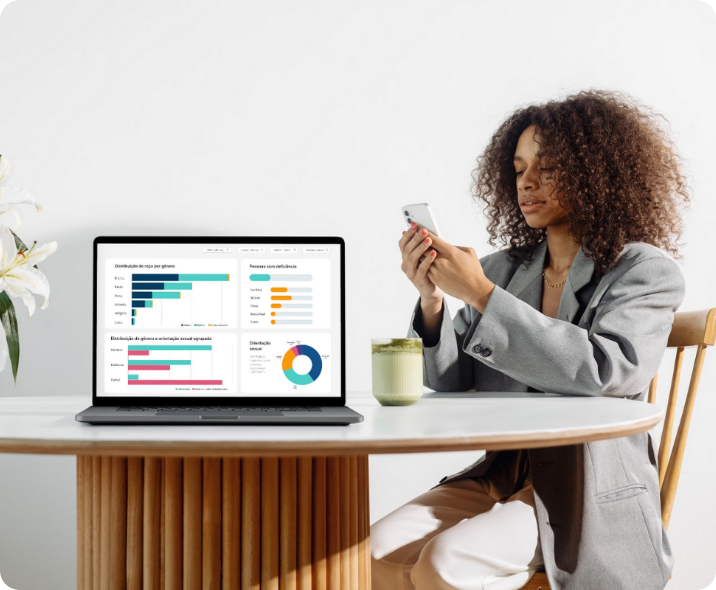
point(267, 507)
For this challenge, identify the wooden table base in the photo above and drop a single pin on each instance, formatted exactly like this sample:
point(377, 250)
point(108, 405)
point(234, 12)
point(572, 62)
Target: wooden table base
point(223, 523)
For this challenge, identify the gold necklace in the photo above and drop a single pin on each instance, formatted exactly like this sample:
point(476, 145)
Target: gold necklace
point(546, 280)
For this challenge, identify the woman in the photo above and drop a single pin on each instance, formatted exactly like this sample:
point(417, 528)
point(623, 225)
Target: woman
point(584, 193)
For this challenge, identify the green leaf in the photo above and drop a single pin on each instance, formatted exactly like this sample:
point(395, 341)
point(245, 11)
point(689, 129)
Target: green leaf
point(9, 323)
point(18, 242)
point(20, 245)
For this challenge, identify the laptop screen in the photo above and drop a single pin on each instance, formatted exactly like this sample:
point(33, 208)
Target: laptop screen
point(181, 318)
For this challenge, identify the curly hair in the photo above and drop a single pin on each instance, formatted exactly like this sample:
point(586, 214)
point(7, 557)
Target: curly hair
point(617, 172)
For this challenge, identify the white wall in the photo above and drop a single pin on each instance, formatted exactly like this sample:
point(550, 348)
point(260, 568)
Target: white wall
point(318, 118)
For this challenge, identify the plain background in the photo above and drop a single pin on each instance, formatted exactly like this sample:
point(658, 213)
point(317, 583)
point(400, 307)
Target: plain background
point(313, 118)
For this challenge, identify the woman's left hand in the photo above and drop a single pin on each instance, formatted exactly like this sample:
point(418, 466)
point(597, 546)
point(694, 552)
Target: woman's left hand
point(458, 272)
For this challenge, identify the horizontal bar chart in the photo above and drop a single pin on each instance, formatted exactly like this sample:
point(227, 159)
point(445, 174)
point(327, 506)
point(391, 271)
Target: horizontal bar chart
point(180, 298)
point(204, 363)
point(301, 288)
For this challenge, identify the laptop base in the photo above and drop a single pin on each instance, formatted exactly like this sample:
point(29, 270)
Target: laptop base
point(322, 415)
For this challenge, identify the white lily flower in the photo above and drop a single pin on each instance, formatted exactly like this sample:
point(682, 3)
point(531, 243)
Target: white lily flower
point(17, 275)
point(12, 196)
point(5, 169)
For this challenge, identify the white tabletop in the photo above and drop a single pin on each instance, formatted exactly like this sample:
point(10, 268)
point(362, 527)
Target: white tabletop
point(438, 422)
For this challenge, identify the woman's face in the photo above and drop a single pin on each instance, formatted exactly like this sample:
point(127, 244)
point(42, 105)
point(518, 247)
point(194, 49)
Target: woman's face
point(534, 184)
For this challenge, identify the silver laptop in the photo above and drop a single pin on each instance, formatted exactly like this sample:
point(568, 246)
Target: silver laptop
point(206, 330)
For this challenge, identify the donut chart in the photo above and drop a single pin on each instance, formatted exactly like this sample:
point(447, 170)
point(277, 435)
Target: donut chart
point(312, 354)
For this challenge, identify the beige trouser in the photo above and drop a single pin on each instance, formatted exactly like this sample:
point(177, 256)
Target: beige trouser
point(468, 534)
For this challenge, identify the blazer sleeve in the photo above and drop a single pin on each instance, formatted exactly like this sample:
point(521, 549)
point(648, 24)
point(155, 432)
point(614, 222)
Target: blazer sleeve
point(616, 356)
point(445, 366)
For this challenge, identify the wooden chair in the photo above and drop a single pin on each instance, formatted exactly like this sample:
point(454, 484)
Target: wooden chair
point(690, 328)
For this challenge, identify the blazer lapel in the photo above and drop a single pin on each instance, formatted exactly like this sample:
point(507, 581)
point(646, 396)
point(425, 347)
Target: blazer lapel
point(525, 284)
point(579, 275)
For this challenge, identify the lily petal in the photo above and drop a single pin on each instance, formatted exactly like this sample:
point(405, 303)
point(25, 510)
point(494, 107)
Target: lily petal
point(8, 249)
point(15, 195)
point(5, 169)
point(31, 279)
point(13, 218)
point(17, 289)
point(38, 254)
point(11, 198)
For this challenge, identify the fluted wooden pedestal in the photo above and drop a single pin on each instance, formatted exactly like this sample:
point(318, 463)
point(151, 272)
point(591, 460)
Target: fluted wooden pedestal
point(207, 508)
point(223, 523)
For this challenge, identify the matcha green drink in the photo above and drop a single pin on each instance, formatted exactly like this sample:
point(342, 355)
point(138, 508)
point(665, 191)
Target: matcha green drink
point(397, 370)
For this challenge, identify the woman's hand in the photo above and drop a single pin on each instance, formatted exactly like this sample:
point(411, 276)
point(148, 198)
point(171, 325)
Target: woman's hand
point(413, 248)
point(458, 272)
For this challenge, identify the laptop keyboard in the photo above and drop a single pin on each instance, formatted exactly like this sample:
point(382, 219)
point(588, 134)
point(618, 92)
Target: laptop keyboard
point(218, 409)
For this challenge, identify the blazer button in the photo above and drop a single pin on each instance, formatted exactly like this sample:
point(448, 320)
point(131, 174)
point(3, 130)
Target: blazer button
point(486, 352)
point(477, 348)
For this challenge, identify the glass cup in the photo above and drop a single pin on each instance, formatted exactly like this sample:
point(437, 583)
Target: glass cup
point(397, 370)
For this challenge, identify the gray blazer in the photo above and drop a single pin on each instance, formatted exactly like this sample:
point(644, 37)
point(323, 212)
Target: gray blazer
point(598, 506)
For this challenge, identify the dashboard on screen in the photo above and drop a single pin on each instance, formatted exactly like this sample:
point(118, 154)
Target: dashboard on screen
point(218, 320)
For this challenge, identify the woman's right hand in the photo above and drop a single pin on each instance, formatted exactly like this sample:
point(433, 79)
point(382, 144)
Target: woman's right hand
point(416, 263)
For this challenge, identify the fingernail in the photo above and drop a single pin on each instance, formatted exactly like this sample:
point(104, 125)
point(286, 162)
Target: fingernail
point(426, 241)
point(423, 232)
point(432, 253)
point(413, 226)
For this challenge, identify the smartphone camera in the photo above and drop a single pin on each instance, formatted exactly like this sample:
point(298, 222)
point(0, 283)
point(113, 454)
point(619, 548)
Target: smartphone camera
point(406, 213)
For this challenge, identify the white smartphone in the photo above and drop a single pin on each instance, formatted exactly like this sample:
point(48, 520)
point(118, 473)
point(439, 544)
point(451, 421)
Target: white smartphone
point(421, 214)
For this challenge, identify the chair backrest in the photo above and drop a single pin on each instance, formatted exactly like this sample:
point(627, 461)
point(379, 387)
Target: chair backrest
point(690, 328)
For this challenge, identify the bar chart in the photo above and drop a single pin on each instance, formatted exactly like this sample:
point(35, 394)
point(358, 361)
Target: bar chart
point(286, 294)
point(182, 298)
point(171, 363)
